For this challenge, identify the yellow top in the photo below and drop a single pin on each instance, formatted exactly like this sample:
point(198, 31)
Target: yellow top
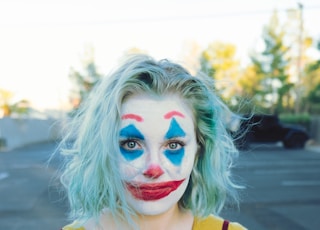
point(214, 223)
point(210, 223)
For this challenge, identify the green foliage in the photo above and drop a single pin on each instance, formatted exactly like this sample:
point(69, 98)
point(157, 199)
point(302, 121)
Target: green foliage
point(85, 80)
point(206, 67)
point(271, 65)
point(313, 67)
point(311, 84)
point(314, 91)
point(219, 62)
point(295, 118)
point(303, 119)
point(8, 108)
point(21, 107)
point(314, 94)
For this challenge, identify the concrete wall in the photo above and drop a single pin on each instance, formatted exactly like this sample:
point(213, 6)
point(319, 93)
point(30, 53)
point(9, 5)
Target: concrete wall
point(15, 132)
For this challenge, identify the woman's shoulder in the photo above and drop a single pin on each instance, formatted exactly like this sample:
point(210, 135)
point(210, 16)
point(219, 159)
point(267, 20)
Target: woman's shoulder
point(76, 225)
point(73, 226)
point(104, 220)
point(210, 221)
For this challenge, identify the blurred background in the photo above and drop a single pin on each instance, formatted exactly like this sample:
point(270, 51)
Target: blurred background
point(53, 52)
point(265, 56)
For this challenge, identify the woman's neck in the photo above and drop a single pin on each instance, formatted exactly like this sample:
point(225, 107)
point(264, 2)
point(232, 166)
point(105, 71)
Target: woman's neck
point(174, 218)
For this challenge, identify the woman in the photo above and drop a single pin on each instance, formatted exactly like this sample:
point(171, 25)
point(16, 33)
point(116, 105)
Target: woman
point(151, 152)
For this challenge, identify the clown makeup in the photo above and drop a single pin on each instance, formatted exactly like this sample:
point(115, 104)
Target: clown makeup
point(158, 147)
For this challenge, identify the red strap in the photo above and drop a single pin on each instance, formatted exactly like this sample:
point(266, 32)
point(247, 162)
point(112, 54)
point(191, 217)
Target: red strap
point(225, 225)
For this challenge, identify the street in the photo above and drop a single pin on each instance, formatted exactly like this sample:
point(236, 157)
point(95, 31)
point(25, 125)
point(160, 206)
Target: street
point(30, 194)
point(282, 189)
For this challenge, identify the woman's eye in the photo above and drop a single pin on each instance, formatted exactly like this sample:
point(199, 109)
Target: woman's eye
point(130, 145)
point(174, 145)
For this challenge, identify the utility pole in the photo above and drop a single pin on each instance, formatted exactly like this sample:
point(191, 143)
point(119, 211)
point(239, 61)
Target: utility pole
point(299, 60)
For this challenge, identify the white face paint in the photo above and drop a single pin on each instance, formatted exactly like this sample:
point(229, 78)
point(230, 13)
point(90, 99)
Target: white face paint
point(158, 147)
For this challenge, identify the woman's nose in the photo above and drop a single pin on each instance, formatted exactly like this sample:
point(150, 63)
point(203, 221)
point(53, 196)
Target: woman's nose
point(153, 171)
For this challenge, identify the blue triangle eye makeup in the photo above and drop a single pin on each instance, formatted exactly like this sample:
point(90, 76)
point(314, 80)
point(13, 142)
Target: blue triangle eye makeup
point(175, 131)
point(131, 131)
point(130, 147)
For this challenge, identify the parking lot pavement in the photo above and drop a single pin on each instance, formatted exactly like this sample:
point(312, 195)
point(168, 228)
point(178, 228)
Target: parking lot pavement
point(313, 146)
point(30, 196)
point(282, 189)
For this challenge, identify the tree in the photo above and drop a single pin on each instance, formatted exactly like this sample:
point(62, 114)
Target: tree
point(8, 108)
point(84, 80)
point(271, 65)
point(311, 83)
point(249, 97)
point(299, 42)
point(218, 61)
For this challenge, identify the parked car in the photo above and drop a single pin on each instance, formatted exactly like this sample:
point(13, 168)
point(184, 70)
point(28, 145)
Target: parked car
point(260, 128)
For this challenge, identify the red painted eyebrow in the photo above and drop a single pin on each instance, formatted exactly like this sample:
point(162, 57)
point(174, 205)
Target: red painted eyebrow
point(173, 113)
point(132, 116)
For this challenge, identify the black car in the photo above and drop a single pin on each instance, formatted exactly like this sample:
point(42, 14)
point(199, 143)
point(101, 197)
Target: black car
point(260, 128)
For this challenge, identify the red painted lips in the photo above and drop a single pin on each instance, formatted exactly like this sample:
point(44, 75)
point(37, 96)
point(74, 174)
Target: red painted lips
point(152, 191)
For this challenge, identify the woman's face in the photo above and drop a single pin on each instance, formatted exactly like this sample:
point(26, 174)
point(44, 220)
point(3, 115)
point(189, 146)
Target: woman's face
point(158, 147)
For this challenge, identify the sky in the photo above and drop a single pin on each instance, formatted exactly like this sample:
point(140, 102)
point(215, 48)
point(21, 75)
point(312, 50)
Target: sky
point(40, 40)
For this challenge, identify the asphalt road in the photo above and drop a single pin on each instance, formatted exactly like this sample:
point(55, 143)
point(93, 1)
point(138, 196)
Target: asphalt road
point(30, 193)
point(282, 189)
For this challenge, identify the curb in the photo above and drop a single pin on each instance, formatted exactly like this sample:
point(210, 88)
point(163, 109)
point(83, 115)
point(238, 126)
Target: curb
point(313, 146)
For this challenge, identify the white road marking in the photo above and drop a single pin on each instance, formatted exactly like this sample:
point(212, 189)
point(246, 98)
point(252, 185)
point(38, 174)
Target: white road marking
point(300, 183)
point(286, 171)
point(3, 175)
